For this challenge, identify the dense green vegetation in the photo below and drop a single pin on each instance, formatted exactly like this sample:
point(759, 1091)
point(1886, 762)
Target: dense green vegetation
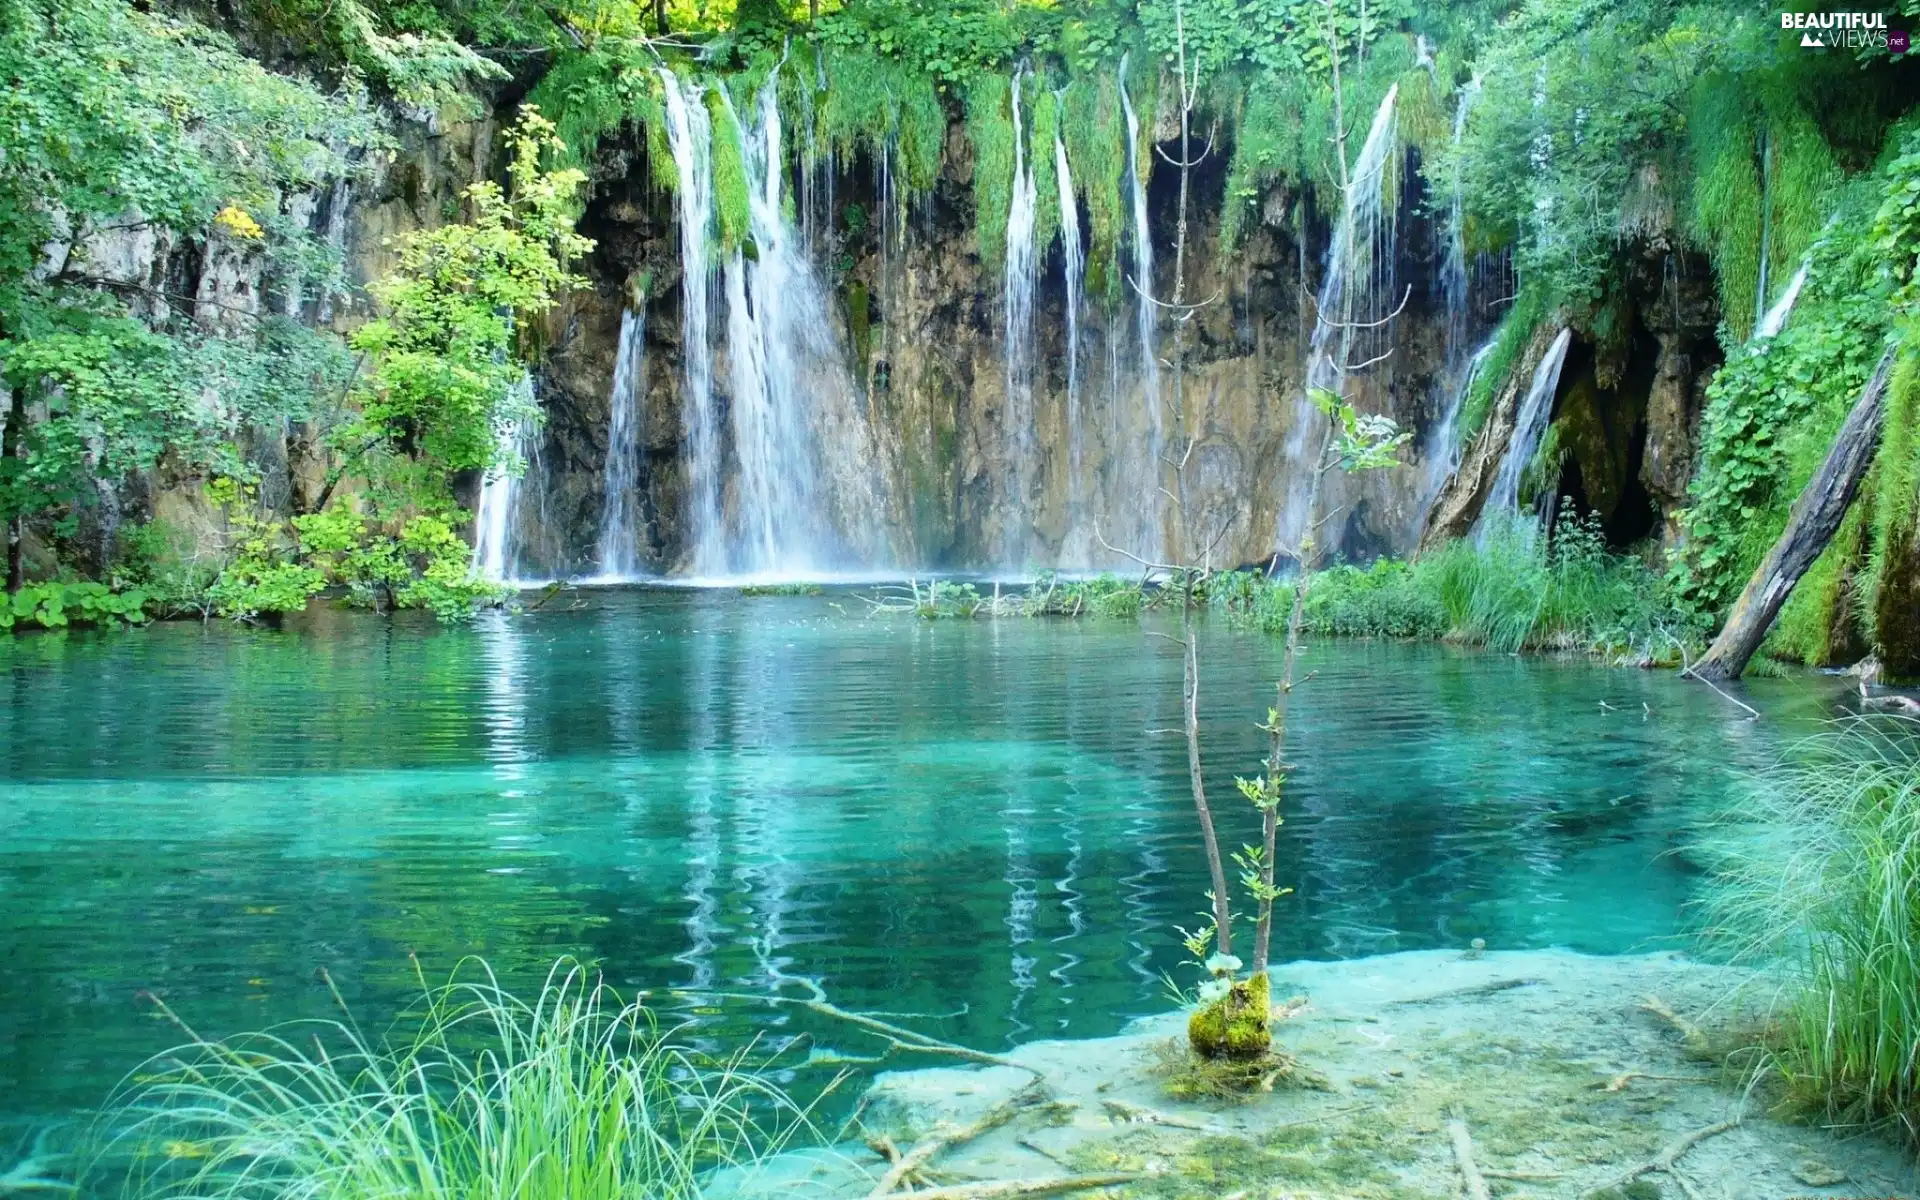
point(1827, 885)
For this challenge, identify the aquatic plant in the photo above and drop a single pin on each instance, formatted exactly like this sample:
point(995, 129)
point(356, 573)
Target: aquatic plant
point(1824, 881)
point(577, 1094)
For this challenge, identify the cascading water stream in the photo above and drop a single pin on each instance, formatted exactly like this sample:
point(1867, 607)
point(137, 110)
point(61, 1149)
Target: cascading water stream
point(1137, 481)
point(1073, 265)
point(1355, 294)
point(1529, 426)
point(1776, 317)
point(1453, 276)
point(1022, 261)
point(620, 522)
point(1442, 455)
point(494, 548)
point(804, 451)
point(690, 137)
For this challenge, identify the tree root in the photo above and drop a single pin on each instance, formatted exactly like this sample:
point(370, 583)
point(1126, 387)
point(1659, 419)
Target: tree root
point(1463, 1156)
point(1135, 1114)
point(1619, 1082)
point(1690, 1034)
point(1469, 993)
point(898, 1038)
point(1666, 1160)
point(915, 1160)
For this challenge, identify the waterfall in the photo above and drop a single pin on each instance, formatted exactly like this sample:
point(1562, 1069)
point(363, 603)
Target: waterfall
point(804, 451)
point(1074, 265)
point(1529, 426)
point(1021, 269)
point(1453, 273)
point(690, 137)
point(1776, 317)
point(1141, 467)
point(1357, 290)
point(1442, 455)
point(494, 544)
point(619, 514)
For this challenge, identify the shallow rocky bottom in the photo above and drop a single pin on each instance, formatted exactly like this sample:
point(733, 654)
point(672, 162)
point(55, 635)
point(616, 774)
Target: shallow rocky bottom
point(1564, 1078)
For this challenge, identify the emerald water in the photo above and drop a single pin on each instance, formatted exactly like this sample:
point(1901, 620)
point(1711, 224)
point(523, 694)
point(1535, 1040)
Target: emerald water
point(988, 821)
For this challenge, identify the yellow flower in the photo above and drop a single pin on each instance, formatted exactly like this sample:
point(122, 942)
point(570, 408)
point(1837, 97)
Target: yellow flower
point(239, 222)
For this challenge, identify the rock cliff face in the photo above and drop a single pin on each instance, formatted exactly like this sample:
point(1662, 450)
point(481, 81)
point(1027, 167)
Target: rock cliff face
point(957, 472)
point(921, 324)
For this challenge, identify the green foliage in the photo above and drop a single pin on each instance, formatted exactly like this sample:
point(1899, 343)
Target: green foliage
point(949, 42)
point(106, 112)
point(1275, 37)
point(262, 573)
point(877, 103)
point(1517, 330)
point(1824, 881)
point(732, 203)
point(573, 1093)
point(444, 373)
point(1042, 120)
point(1772, 410)
point(1511, 590)
point(591, 93)
point(990, 129)
point(418, 562)
point(58, 604)
point(1095, 133)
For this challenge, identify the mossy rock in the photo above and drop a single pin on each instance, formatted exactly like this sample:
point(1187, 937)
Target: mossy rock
point(1236, 1025)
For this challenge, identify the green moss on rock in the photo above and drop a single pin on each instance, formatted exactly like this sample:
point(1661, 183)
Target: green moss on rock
point(1236, 1025)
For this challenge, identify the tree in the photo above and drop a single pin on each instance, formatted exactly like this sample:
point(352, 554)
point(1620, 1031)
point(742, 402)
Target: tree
point(1234, 1020)
point(119, 124)
point(460, 316)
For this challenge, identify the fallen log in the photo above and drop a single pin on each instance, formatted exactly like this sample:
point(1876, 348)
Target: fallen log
point(1815, 518)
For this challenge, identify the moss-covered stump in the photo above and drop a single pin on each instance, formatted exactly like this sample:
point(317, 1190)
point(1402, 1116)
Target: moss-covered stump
point(1235, 1026)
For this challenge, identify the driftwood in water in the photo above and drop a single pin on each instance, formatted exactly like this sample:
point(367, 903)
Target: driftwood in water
point(1815, 518)
point(1454, 510)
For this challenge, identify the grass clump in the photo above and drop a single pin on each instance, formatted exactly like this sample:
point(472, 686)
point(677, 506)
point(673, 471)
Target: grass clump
point(781, 589)
point(1512, 588)
point(576, 1094)
point(1826, 883)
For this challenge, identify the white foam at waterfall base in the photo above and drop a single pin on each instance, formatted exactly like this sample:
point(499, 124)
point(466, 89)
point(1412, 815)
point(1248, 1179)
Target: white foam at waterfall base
point(690, 137)
point(1529, 426)
point(619, 556)
point(1356, 291)
point(494, 544)
point(1018, 287)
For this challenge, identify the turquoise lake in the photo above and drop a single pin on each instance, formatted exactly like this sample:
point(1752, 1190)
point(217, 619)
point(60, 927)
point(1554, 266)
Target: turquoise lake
point(986, 822)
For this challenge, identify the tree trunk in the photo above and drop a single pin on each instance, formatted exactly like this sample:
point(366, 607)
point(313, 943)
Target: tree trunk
point(660, 17)
point(1815, 518)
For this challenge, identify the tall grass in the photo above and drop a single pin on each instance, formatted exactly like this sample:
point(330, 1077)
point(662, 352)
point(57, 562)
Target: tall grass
point(1826, 884)
point(1511, 588)
point(576, 1095)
